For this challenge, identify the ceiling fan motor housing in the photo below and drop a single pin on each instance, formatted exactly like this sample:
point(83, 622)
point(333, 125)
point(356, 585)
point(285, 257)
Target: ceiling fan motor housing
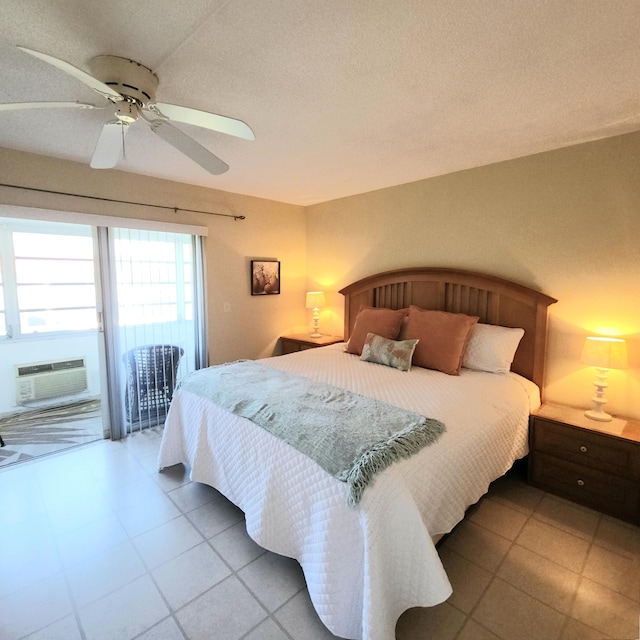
point(127, 77)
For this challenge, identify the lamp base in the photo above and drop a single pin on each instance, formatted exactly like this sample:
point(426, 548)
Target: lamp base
point(316, 323)
point(597, 411)
point(600, 416)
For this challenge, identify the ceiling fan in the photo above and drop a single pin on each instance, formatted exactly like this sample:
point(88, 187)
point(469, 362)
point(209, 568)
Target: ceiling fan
point(131, 88)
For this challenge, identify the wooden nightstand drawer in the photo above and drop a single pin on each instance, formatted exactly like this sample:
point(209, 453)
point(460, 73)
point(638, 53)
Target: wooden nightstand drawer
point(586, 447)
point(594, 463)
point(290, 346)
point(603, 491)
point(300, 342)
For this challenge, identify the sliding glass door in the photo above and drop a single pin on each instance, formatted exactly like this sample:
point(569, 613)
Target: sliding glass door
point(154, 321)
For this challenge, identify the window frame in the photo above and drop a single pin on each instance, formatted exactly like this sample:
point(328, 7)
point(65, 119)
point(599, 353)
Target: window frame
point(9, 286)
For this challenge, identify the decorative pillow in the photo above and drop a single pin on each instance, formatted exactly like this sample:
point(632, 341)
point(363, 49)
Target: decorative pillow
point(382, 322)
point(391, 353)
point(443, 337)
point(491, 348)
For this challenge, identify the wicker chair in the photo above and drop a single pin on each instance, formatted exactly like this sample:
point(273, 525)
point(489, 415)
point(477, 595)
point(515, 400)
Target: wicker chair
point(151, 380)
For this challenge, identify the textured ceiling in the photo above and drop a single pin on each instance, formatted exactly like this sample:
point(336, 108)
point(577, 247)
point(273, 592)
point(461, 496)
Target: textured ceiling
point(344, 96)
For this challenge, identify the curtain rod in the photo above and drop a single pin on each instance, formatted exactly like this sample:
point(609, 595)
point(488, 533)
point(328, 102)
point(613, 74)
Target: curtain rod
point(140, 204)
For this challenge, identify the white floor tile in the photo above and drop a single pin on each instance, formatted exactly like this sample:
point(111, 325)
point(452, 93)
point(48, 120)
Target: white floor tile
point(216, 515)
point(227, 611)
point(65, 629)
point(148, 515)
point(124, 613)
point(132, 494)
point(193, 495)
point(108, 475)
point(267, 630)
point(90, 540)
point(554, 544)
point(103, 573)
point(169, 478)
point(510, 613)
point(34, 607)
point(190, 574)
point(165, 630)
point(300, 620)
point(22, 566)
point(166, 541)
point(19, 502)
point(236, 547)
point(72, 511)
point(273, 579)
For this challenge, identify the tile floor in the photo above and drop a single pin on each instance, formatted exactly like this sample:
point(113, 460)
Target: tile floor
point(95, 544)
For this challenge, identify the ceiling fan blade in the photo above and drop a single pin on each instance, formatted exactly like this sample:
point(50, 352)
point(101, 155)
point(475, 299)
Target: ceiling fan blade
point(11, 106)
point(192, 149)
point(79, 74)
point(204, 119)
point(110, 144)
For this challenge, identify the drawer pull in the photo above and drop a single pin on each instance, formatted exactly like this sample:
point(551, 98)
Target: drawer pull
point(581, 483)
point(583, 449)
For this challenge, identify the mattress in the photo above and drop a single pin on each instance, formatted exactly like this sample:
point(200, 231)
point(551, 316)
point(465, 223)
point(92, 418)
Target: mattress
point(364, 566)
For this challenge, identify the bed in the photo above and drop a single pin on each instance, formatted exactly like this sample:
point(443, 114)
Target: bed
point(366, 564)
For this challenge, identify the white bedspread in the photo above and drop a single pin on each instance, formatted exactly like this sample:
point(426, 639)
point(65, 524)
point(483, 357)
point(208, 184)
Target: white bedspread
point(364, 566)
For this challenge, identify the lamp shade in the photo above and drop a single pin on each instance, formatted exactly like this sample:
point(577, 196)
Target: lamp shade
point(315, 299)
point(605, 353)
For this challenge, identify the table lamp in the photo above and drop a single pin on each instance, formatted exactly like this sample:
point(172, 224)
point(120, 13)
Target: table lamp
point(603, 354)
point(315, 300)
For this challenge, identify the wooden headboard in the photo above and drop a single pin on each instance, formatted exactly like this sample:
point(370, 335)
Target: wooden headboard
point(494, 300)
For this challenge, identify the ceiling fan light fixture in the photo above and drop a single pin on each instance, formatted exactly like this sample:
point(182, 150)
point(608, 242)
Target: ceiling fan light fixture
point(127, 111)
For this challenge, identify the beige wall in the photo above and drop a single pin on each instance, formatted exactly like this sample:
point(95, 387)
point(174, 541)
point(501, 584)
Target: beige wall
point(565, 222)
point(271, 230)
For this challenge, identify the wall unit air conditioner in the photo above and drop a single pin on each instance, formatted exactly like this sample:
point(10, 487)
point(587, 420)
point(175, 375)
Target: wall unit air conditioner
point(53, 379)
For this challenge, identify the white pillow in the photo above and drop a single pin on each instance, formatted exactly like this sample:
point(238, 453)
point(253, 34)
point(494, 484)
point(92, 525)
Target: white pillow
point(491, 348)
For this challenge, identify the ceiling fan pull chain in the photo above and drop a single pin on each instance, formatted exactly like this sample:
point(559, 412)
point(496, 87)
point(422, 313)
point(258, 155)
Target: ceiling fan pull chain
point(124, 154)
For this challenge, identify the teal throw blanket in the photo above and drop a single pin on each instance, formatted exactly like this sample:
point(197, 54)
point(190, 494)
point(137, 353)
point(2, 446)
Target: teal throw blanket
point(350, 436)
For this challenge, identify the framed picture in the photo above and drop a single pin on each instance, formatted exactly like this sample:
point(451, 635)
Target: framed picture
point(265, 277)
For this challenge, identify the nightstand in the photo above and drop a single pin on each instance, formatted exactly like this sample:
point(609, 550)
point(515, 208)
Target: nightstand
point(594, 463)
point(302, 341)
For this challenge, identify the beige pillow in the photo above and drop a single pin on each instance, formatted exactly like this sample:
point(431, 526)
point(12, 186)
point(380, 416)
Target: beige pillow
point(443, 337)
point(382, 322)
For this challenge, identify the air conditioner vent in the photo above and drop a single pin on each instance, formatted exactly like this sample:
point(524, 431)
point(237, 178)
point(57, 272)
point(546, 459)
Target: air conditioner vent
point(45, 367)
